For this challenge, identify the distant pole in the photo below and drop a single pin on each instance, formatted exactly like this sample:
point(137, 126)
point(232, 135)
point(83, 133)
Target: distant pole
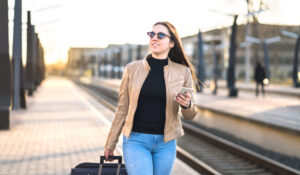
point(34, 58)
point(231, 69)
point(113, 64)
point(266, 59)
point(120, 63)
point(139, 52)
point(42, 62)
point(99, 69)
point(29, 63)
point(5, 68)
point(296, 74)
point(105, 65)
point(17, 54)
point(38, 62)
point(248, 55)
point(201, 63)
point(215, 69)
point(129, 54)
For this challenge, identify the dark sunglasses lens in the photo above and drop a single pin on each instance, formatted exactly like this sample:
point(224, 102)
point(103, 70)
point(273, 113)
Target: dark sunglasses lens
point(151, 34)
point(160, 35)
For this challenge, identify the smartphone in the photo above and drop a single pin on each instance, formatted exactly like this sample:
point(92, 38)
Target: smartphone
point(185, 89)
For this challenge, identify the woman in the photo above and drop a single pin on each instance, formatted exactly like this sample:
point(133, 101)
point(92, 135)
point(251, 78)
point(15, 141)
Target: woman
point(148, 106)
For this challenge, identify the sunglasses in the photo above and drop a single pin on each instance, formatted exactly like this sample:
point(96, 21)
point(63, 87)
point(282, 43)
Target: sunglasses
point(160, 35)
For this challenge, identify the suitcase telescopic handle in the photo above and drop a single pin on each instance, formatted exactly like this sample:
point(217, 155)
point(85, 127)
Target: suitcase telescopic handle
point(102, 158)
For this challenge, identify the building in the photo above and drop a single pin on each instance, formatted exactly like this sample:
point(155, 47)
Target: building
point(77, 62)
point(110, 61)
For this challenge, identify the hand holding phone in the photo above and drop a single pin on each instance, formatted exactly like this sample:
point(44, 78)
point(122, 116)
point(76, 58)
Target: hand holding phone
point(182, 98)
point(185, 89)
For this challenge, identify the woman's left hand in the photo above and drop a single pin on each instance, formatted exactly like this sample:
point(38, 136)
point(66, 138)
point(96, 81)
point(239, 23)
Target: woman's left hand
point(184, 99)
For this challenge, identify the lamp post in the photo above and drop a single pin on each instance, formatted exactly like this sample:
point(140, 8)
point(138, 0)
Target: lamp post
point(201, 63)
point(113, 63)
point(139, 52)
point(129, 53)
point(120, 62)
point(231, 69)
point(5, 68)
point(296, 74)
point(18, 87)
point(30, 69)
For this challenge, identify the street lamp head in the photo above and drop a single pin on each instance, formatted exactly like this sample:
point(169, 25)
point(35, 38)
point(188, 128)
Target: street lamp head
point(289, 34)
point(273, 39)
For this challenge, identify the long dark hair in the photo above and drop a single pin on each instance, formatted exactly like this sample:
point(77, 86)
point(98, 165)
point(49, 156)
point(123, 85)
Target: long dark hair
point(177, 53)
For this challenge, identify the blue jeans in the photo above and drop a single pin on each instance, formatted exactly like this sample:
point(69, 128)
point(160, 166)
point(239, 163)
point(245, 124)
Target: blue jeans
point(148, 154)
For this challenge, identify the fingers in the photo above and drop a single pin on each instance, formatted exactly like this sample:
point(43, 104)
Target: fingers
point(108, 153)
point(188, 95)
point(183, 99)
point(179, 100)
point(111, 154)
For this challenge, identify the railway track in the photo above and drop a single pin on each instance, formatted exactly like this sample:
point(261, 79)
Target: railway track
point(205, 152)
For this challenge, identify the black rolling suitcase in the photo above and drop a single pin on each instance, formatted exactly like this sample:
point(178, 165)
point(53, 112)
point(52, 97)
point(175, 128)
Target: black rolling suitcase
point(100, 168)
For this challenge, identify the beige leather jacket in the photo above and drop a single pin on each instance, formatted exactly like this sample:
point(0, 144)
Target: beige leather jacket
point(176, 76)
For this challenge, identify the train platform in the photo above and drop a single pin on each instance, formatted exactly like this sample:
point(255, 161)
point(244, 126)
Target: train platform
point(61, 127)
point(280, 111)
point(274, 89)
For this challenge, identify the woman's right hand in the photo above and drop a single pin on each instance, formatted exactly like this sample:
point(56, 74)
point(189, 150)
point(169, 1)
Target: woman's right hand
point(107, 153)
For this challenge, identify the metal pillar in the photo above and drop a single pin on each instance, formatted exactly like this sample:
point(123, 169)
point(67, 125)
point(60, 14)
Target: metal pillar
point(139, 52)
point(113, 64)
point(120, 63)
point(248, 55)
point(266, 60)
point(18, 88)
point(105, 65)
point(129, 54)
point(40, 64)
point(99, 69)
point(296, 75)
point(231, 69)
point(34, 57)
point(5, 68)
point(201, 63)
point(215, 70)
point(29, 84)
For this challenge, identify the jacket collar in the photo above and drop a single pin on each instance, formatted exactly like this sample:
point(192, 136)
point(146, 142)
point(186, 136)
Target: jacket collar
point(146, 64)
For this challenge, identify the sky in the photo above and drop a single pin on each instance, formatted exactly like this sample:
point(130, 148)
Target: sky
point(62, 24)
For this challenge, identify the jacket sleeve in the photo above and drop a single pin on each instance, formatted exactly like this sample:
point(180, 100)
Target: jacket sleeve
point(191, 112)
point(121, 113)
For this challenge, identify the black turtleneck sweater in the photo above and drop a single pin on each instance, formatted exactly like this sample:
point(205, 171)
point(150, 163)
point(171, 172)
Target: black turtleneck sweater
point(150, 114)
